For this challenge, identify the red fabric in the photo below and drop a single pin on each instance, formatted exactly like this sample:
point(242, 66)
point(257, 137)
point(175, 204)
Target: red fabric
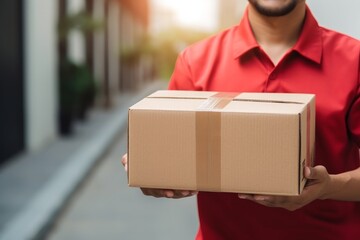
point(322, 62)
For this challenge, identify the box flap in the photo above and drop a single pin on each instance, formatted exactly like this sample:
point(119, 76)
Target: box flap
point(277, 97)
point(181, 94)
point(249, 96)
point(267, 103)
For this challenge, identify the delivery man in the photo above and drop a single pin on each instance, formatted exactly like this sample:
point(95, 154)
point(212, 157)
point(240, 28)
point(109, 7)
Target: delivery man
point(279, 47)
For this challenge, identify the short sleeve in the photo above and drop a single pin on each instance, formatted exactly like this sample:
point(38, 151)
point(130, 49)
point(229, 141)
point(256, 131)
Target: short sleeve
point(354, 116)
point(181, 78)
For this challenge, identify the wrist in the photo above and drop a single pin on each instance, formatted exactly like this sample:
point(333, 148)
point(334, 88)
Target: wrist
point(337, 183)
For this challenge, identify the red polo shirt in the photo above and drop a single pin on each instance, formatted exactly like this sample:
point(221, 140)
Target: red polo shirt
point(322, 62)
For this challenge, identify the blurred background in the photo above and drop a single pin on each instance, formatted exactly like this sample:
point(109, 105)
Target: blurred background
point(69, 71)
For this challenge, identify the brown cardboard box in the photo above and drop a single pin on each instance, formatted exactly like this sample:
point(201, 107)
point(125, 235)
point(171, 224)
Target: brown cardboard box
point(209, 141)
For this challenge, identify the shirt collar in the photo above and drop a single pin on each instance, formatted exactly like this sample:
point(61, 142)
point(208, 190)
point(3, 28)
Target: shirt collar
point(244, 40)
point(308, 45)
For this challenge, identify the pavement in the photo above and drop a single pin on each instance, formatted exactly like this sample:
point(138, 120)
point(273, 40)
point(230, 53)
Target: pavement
point(73, 188)
point(106, 208)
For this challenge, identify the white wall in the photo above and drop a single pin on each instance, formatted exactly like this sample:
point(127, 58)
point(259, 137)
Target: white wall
point(114, 46)
point(99, 43)
point(76, 40)
point(40, 19)
point(339, 15)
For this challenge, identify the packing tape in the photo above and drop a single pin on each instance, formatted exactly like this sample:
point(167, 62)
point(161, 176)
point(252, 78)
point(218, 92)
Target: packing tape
point(208, 141)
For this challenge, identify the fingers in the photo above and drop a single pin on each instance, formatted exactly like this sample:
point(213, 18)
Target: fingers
point(255, 198)
point(179, 193)
point(175, 194)
point(159, 193)
point(260, 199)
point(318, 179)
point(317, 172)
point(124, 161)
point(289, 203)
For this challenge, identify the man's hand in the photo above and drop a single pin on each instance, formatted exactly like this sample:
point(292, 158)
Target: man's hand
point(316, 188)
point(158, 193)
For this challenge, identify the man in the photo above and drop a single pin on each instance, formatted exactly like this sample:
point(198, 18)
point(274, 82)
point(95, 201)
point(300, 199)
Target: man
point(279, 47)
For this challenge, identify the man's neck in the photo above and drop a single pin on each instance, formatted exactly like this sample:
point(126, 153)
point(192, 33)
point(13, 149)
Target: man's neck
point(276, 35)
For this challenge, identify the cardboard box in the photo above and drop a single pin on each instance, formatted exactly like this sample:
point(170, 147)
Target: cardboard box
point(223, 142)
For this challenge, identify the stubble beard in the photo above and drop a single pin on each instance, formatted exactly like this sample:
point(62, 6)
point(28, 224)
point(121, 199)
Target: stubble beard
point(274, 12)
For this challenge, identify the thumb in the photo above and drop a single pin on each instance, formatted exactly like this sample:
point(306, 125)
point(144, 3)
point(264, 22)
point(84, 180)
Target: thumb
point(124, 159)
point(316, 172)
point(124, 162)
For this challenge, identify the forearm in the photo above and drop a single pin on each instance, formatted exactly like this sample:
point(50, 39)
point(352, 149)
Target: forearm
point(344, 186)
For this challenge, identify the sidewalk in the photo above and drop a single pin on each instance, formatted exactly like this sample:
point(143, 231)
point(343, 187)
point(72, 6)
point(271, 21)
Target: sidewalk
point(34, 187)
point(106, 208)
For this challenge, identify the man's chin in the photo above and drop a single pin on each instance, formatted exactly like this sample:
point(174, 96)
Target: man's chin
point(273, 9)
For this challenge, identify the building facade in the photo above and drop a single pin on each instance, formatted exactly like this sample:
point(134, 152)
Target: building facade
point(31, 52)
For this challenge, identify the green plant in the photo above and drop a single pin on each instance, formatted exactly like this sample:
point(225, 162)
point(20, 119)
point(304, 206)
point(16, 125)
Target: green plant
point(82, 21)
point(77, 88)
point(76, 84)
point(77, 93)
